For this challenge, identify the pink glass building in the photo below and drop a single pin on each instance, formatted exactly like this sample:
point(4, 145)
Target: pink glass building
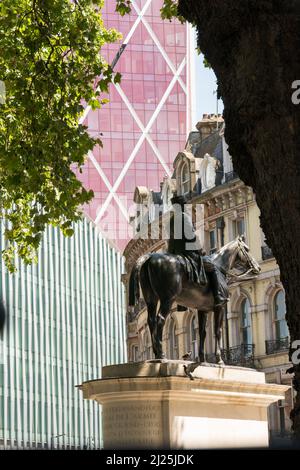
point(146, 121)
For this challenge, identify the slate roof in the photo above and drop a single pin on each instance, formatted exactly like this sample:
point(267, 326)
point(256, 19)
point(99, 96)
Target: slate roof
point(211, 144)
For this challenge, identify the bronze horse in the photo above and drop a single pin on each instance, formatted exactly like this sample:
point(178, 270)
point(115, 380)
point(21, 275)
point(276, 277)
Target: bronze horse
point(163, 278)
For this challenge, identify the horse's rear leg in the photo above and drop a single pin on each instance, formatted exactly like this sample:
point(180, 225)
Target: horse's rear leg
point(151, 300)
point(165, 307)
point(151, 308)
point(202, 320)
point(218, 321)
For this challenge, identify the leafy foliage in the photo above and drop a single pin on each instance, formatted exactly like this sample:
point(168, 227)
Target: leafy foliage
point(123, 7)
point(168, 10)
point(49, 63)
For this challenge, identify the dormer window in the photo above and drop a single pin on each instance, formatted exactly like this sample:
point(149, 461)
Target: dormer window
point(186, 169)
point(185, 179)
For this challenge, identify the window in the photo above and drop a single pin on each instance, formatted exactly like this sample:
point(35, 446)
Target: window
point(220, 225)
point(281, 328)
point(215, 236)
point(193, 336)
point(246, 330)
point(212, 241)
point(173, 122)
point(173, 340)
point(185, 179)
point(238, 227)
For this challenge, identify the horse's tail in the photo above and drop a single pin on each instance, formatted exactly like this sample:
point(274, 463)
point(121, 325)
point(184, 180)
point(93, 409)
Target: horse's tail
point(2, 315)
point(134, 291)
point(134, 280)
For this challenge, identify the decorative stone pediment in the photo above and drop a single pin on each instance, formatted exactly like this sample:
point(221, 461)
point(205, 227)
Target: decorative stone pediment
point(168, 188)
point(141, 195)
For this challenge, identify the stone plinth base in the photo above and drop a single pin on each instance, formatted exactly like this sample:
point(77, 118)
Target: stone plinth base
point(155, 405)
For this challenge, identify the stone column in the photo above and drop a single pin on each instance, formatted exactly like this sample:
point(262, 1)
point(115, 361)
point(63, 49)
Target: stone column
point(155, 405)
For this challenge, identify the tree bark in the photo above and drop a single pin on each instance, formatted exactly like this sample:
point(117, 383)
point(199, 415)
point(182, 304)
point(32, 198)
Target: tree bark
point(253, 47)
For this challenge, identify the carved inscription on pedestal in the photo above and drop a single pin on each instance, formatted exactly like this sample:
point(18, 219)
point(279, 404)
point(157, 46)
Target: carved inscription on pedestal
point(126, 425)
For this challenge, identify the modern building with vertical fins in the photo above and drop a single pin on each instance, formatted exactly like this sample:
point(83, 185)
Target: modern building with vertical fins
point(146, 121)
point(65, 320)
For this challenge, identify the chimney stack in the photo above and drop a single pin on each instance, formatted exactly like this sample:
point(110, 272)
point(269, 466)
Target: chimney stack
point(209, 123)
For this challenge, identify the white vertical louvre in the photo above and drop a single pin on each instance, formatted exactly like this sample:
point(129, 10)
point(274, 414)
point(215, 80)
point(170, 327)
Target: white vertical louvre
point(4, 344)
point(102, 304)
point(17, 334)
point(83, 331)
point(43, 358)
point(74, 339)
point(29, 378)
point(37, 402)
point(23, 359)
point(66, 319)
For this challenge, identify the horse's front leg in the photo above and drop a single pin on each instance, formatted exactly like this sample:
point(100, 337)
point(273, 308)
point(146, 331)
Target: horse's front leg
point(151, 308)
point(202, 320)
point(218, 321)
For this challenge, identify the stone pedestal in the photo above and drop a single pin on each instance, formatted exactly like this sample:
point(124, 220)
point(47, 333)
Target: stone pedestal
point(155, 405)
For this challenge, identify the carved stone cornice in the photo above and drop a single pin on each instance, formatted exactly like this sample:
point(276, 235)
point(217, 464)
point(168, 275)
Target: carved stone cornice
point(225, 196)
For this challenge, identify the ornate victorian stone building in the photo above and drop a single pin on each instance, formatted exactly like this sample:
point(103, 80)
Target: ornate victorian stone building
point(255, 333)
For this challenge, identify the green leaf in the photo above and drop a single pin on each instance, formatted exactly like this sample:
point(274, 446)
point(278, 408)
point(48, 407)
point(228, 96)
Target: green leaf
point(123, 7)
point(117, 77)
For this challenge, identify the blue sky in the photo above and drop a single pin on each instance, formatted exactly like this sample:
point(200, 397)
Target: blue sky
point(206, 84)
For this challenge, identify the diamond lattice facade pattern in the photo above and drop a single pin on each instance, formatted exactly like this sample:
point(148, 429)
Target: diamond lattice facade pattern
point(145, 122)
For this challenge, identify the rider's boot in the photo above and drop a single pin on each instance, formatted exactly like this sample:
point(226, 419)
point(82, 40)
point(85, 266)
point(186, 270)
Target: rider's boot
point(219, 298)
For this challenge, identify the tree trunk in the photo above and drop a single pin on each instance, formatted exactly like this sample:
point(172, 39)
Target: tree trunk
point(253, 47)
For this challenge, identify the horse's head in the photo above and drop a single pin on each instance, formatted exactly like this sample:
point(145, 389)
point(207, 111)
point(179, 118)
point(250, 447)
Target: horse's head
point(243, 260)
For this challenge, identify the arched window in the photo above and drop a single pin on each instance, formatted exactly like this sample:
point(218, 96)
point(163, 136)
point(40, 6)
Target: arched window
point(173, 340)
point(281, 328)
point(185, 179)
point(246, 328)
point(193, 336)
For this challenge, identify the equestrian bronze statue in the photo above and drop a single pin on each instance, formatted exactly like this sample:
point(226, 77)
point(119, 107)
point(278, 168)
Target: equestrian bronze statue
point(186, 276)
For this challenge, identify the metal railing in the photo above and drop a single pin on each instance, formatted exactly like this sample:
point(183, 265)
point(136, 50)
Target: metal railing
point(242, 355)
point(231, 175)
point(281, 439)
point(266, 252)
point(277, 345)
